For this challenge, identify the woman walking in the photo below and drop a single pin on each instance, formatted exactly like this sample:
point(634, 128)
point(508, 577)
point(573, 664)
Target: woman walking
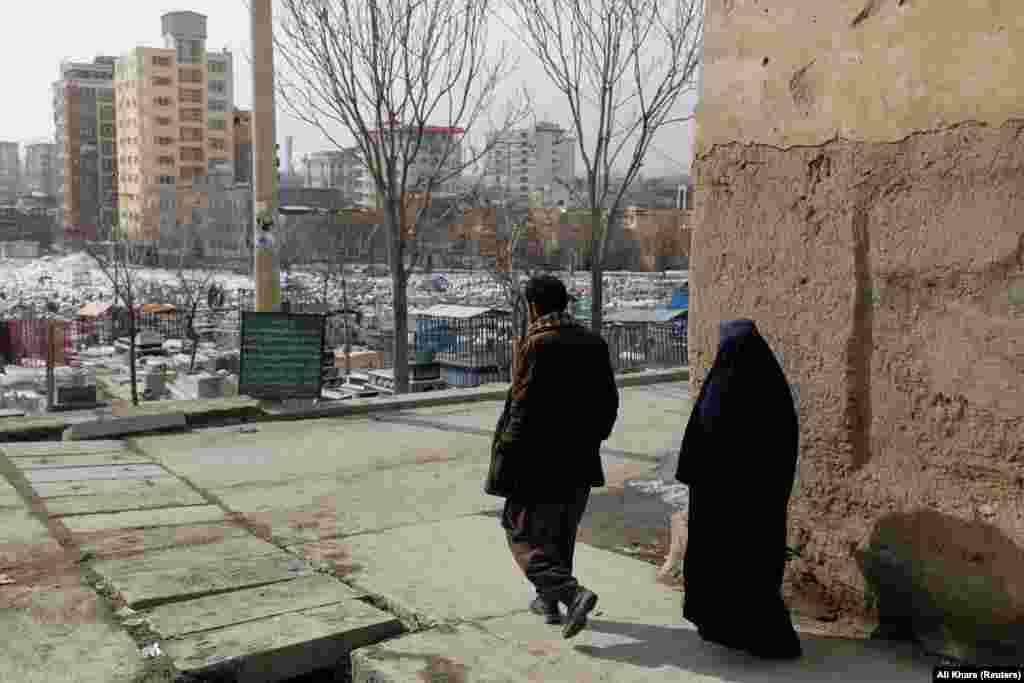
point(738, 458)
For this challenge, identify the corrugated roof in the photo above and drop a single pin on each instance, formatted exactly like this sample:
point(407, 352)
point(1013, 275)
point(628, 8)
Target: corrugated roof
point(455, 311)
point(644, 315)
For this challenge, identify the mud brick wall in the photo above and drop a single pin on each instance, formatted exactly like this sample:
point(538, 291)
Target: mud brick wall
point(860, 194)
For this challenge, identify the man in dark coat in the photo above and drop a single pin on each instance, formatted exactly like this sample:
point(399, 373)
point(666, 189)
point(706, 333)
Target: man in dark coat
point(544, 464)
point(738, 458)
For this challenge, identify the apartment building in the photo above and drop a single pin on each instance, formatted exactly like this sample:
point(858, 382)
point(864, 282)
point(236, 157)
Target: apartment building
point(41, 168)
point(86, 141)
point(439, 157)
point(341, 170)
point(10, 172)
point(538, 161)
point(243, 146)
point(174, 105)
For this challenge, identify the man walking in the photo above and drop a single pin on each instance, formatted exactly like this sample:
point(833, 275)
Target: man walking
point(546, 451)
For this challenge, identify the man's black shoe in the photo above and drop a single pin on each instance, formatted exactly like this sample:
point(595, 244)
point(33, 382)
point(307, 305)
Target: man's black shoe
point(582, 604)
point(548, 610)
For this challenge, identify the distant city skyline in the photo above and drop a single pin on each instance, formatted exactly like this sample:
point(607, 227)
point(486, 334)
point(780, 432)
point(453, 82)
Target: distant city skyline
point(76, 31)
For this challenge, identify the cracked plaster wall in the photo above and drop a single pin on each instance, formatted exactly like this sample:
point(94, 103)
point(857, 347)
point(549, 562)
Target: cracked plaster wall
point(863, 164)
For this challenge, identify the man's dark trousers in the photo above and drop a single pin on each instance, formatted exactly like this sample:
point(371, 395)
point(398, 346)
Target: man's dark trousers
point(542, 538)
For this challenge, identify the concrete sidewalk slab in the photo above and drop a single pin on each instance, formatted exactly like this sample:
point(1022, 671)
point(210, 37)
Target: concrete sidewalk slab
point(183, 573)
point(9, 496)
point(283, 451)
point(465, 571)
point(112, 495)
point(636, 654)
point(179, 619)
point(142, 519)
point(124, 543)
point(145, 471)
point(19, 526)
point(60, 632)
point(284, 646)
point(311, 510)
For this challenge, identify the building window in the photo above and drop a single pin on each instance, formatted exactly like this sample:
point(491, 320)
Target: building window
point(107, 148)
point(164, 141)
point(161, 81)
point(218, 67)
point(165, 161)
point(107, 130)
point(163, 121)
point(219, 87)
point(161, 61)
point(217, 144)
point(217, 105)
point(190, 75)
point(190, 95)
point(167, 180)
point(163, 101)
point(192, 115)
point(191, 154)
point(218, 124)
point(191, 134)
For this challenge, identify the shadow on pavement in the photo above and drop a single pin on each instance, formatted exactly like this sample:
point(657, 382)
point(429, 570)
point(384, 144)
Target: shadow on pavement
point(825, 659)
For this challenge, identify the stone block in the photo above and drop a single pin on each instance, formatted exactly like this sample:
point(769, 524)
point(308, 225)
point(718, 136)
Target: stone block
point(106, 429)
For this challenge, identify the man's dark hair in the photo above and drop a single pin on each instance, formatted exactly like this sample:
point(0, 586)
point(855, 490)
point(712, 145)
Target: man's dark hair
point(547, 293)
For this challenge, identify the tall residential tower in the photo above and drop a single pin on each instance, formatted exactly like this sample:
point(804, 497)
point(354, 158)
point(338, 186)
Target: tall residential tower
point(175, 114)
point(86, 158)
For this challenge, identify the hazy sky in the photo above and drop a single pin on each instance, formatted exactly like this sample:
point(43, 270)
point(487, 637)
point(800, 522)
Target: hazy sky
point(42, 33)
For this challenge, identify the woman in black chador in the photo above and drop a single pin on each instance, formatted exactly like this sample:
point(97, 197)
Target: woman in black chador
point(739, 458)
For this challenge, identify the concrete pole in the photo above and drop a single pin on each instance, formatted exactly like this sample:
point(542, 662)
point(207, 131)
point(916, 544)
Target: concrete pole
point(264, 177)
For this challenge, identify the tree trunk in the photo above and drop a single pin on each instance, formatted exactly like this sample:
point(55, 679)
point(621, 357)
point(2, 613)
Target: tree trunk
point(131, 354)
point(348, 334)
point(596, 271)
point(193, 337)
point(399, 304)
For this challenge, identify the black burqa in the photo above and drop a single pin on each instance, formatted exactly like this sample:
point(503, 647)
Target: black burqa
point(738, 457)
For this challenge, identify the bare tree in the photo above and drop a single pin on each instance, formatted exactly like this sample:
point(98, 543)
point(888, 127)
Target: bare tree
point(193, 288)
point(114, 260)
point(392, 74)
point(625, 63)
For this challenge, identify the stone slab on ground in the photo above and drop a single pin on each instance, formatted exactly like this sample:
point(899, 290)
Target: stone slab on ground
point(19, 526)
point(464, 571)
point(141, 519)
point(638, 654)
point(53, 474)
point(112, 457)
point(318, 508)
point(122, 426)
point(9, 496)
point(30, 427)
point(125, 543)
point(188, 572)
point(63, 634)
point(285, 451)
point(284, 646)
point(113, 495)
point(180, 619)
point(62, 448)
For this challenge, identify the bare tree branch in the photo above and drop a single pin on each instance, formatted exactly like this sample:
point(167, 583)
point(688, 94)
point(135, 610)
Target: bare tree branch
point(625, 63)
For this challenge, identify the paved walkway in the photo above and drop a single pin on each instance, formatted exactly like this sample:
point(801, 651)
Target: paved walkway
point(276, 549)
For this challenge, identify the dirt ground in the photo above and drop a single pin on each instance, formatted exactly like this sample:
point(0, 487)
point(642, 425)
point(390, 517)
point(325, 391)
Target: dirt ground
point(606, 527)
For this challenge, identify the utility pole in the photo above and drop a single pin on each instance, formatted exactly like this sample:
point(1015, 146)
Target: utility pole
point(264, 177)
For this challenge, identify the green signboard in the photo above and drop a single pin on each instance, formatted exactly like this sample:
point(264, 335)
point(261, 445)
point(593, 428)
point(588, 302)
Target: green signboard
point(281, 355)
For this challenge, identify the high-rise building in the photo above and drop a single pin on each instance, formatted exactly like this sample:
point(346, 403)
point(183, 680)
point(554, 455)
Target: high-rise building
point(41, 168)
point(10, 172)
point(175, 114)
point(438, 160)
point(86, 159)
point(243, 146)
point(541, 160)
point(342, 170)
